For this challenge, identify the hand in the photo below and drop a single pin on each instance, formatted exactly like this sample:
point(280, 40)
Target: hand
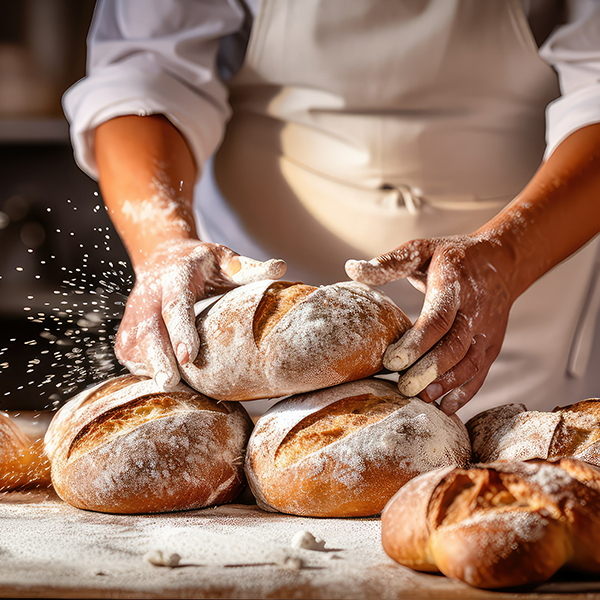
point(158, 327)
point(458, 335)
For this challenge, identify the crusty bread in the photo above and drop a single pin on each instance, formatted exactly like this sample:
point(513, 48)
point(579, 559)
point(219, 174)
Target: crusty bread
point(344, 451)
point(511, 432)
point(22, 461)
point(126, 447)
point(274, 338)
point(497, 525)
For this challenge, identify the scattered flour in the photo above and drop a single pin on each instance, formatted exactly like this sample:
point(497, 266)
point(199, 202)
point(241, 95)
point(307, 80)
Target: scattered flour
point(307, 541)
point(158, 558)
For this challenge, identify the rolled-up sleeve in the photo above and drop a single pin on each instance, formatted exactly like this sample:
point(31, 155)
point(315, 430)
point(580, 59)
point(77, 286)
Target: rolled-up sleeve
point(574, 52)
point(154, 57)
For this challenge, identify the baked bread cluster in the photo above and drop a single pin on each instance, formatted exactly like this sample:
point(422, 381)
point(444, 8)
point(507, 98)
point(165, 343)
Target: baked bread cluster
point(498, 525)
point(339, 445)
point(511, 432)
point(275, 338)
point(22, 460)
point(125, 447)
point(345, 451)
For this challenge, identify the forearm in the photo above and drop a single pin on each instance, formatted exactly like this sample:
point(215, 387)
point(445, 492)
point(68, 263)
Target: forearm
point(556, 214)
point(146, 174)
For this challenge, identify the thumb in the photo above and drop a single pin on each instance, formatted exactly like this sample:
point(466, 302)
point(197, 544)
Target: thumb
point(407, 261)
point(244, 270)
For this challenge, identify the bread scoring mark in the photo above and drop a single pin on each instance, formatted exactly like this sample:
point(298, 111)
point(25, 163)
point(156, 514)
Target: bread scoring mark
point(577, 432)
point(278, 299)
point(112, 386)
point(332, 423)
point(465, 496)
point(123, 419)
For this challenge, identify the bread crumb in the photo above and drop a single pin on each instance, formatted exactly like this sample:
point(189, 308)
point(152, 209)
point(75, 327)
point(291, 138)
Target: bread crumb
point(160, 559)
point(307, 541)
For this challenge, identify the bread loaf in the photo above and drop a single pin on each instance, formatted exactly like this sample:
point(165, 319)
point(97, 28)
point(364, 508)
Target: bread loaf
point(274, 338)
point(511, 432)
point(22, 460)
point(344, 451)
point(498, 525)
point(125, 447)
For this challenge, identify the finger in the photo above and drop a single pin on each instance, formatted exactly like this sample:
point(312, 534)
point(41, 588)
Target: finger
point(437, 317)
point(245, 270)
point(157, 351)
point(180, 320)
point(407, 260)
point(473, 362)
point(458, 397)
point(145, 349)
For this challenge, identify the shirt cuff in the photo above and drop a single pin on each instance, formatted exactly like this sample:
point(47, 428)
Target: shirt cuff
point(119, 91)
point(571, 112)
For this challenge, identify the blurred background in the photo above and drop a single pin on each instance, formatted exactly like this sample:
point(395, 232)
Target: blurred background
point(63, 271)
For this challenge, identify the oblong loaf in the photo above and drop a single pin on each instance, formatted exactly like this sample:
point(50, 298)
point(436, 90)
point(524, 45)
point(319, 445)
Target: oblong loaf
point(274, 338)
point(123, 446)
point(22, 461)
point(497, 525)
point(346, 450)
point(511, 432)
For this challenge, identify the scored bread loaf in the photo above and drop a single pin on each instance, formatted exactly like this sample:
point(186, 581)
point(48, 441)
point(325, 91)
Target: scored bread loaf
point(511, 432)
point(22, 460)
point(497, 525)
point(275, 338)
point(345, 451)
point(123, 446)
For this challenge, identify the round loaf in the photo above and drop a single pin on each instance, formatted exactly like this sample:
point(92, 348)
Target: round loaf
point(22, 461)
point(346, 450)
point(275, 338)
point(498, 525)
point(511, 432)
point(125, 447)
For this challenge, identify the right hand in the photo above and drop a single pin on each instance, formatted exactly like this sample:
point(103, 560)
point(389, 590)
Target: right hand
point(158, 328)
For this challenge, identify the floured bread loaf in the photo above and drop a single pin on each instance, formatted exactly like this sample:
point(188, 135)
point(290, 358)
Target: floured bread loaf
point(274, 338)
point(498, 525)
point(125, 447)
point(511, 432)
point(22, 461)
point(344, 451)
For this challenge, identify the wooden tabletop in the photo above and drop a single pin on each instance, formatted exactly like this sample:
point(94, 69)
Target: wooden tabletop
point(49, 549)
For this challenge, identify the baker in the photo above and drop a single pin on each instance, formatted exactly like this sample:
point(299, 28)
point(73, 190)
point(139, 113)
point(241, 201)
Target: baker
point(342, 130)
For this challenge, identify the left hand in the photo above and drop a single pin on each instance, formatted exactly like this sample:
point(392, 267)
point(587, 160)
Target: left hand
point(458, 335)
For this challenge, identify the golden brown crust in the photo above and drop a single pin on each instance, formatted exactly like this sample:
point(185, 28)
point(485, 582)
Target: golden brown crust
point(272, 339)
point(344, 451)
point(138, 450)
point(498, 525)
point(511, 432)
point(22, 461)
point(279, 298)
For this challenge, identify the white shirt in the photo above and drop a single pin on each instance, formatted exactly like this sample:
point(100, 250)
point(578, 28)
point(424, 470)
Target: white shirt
point(167, 57)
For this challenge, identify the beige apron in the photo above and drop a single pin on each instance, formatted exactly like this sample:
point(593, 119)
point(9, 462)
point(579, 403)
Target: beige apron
point(361, 124)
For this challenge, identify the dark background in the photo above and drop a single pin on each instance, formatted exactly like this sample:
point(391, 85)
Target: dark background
point(63, 272)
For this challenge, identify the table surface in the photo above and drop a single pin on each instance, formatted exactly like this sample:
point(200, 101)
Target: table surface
point(49, 549)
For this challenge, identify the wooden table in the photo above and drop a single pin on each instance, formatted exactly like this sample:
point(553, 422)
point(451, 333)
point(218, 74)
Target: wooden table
point(49, 549)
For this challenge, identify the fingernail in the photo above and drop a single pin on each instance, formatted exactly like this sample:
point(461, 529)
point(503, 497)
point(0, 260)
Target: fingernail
point(450, 407)
point(398, 361)
point(162, 379)
point(183, 355)
point(397, 358)
point(413, 383)
point(434, 391)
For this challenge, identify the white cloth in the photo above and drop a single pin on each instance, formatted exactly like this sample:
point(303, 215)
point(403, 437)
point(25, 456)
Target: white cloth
point(159, 56)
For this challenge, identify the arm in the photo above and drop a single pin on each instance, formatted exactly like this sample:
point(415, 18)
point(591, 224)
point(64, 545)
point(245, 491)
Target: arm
point(470, 282)
point(146, 174)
